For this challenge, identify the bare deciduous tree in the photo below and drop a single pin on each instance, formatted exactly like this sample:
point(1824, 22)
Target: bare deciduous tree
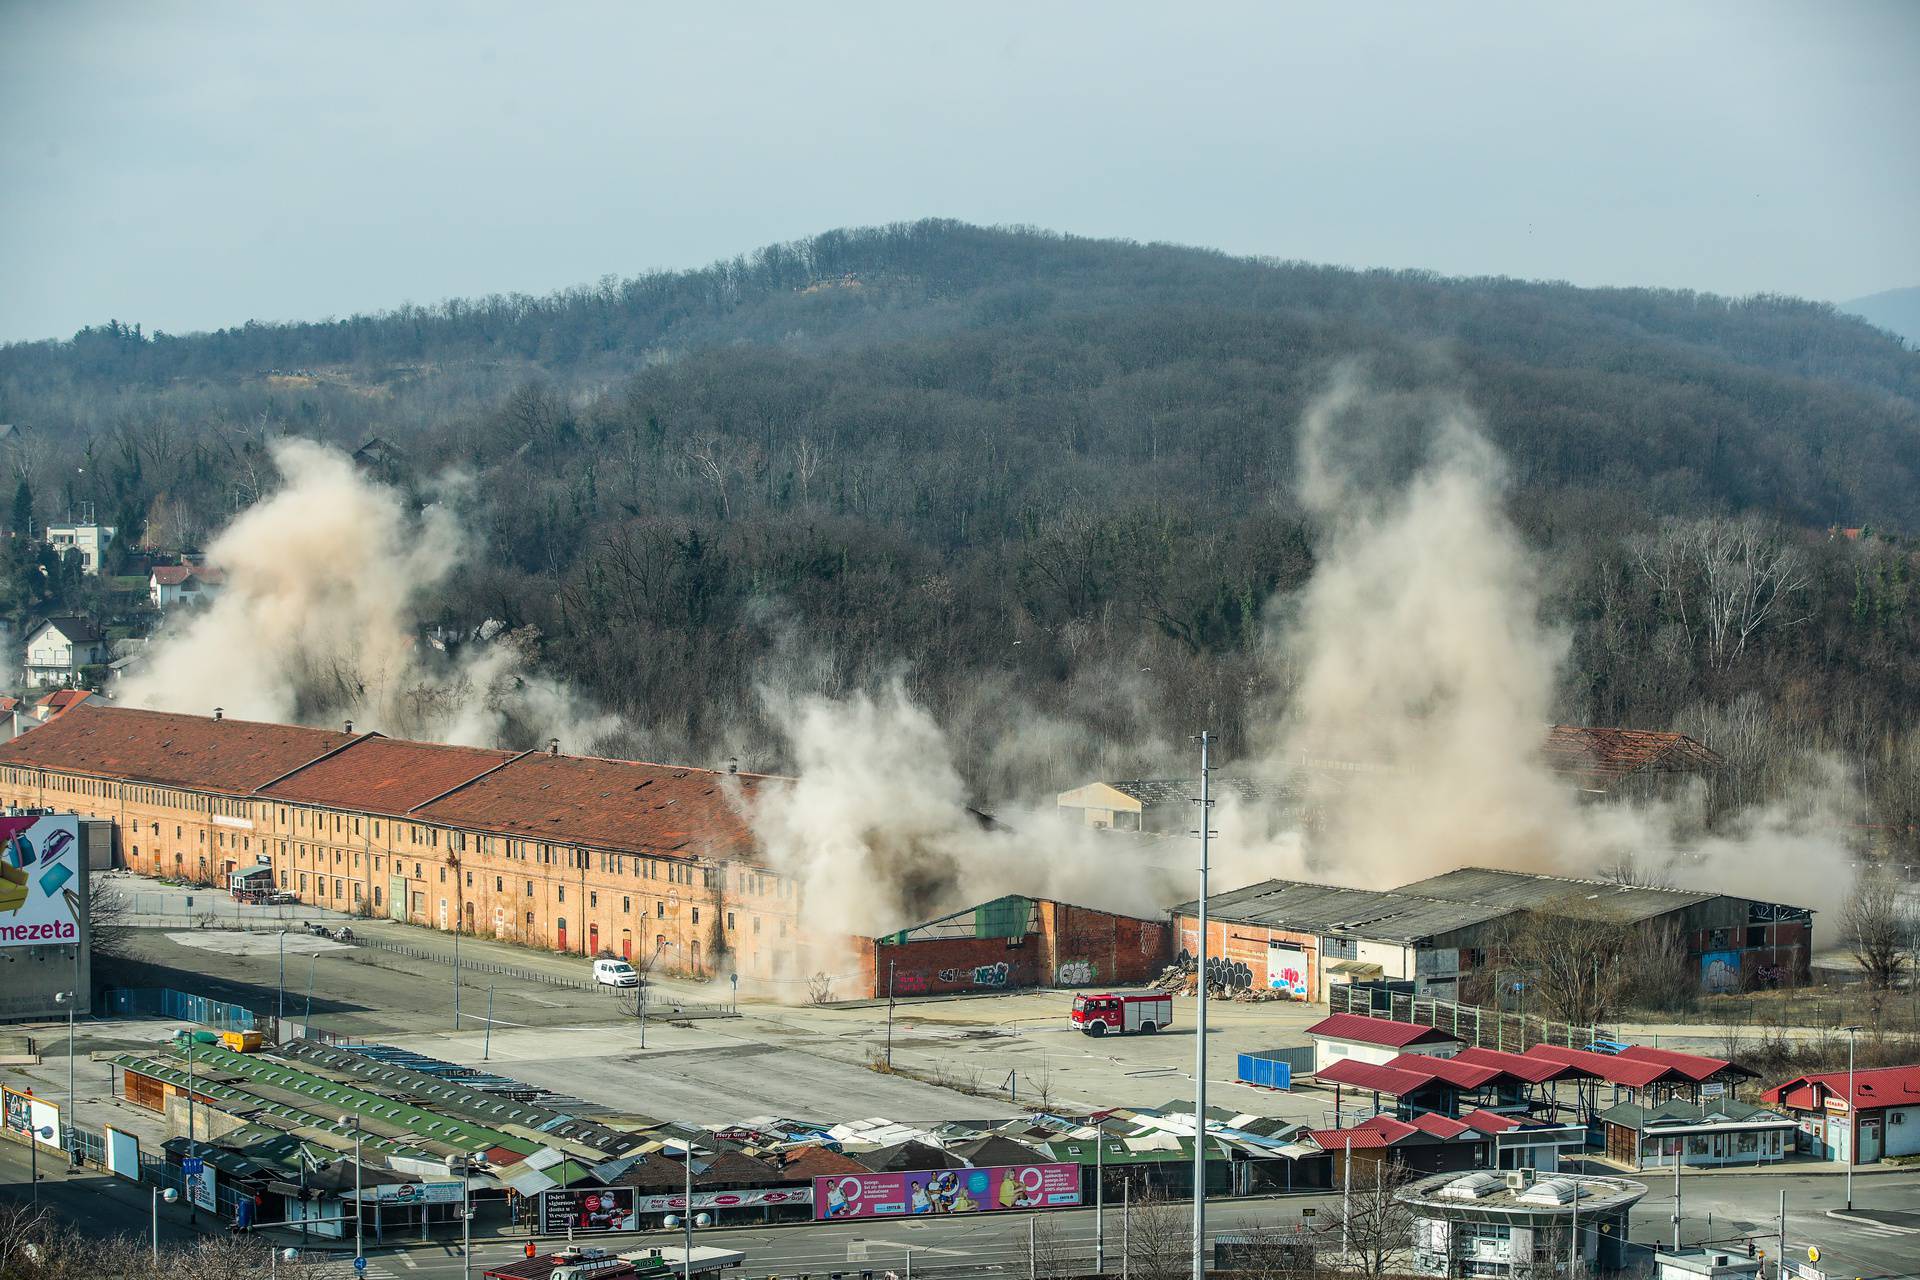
point(1370, 1221)
point(1878, 925)
point(1724, 580)
point(1156, 1234)
point(1573, 964)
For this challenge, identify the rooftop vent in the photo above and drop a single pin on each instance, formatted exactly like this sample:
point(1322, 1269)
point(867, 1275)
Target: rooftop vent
point(553, 746)
point(349, 726)
point(219, 712)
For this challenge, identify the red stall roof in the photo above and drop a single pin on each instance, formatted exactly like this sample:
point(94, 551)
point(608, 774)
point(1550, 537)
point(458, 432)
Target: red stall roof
point(1462, 1075)
point(1521, 1067)
point(1694, 1066)
point(1381, 1031)
point(1632, 1072)
point(1397, 1081)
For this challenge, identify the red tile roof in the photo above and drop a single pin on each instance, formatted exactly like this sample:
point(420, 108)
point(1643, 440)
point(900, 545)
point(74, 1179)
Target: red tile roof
point(1600, 756)
point(665, 810)
point(1396, 1081)
point(1382, 1031)
point(1520, 1066)
point(616, 804)
point(1874, 1087)
point(385, 775)
point(172, 575)
point(229, 756)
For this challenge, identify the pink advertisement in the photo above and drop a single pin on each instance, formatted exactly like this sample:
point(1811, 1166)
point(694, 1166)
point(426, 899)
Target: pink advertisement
point(988, 1190)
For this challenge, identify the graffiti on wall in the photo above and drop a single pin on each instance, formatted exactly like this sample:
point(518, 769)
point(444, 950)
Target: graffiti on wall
point(909, 982)
point(1078, 973)
point(1720, 971)
point(986, 975)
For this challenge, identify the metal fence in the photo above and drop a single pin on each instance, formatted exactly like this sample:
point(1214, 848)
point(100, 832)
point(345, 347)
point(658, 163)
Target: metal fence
point(1486, 1028)
point(166, 1002)
point(90, 1149)
point(662, 1005)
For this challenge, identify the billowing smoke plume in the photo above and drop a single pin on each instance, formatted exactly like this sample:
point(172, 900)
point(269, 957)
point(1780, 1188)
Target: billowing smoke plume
point(318, 622)
point(1420, 675)
point(877, 827)
point(1416, 680)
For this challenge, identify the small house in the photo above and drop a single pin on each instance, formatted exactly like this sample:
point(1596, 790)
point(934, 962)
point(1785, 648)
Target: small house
point(1341, 1037)
point(1884, 1102)
point(59, 647)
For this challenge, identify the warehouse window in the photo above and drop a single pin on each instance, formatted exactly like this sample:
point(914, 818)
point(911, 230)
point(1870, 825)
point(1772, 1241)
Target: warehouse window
point(659, 909)
point(696, 915)
point(529, 888)
point(529, 925)
point(560, 894)
point(499, 885)
point(626, 903)
point(729, 921)
point(443, 875)
point(376, 895)
point(593, 899)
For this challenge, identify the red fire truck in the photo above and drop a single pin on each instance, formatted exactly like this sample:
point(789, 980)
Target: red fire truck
point(1148, 1013)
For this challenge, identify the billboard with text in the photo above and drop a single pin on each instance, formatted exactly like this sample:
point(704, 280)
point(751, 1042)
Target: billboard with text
point(993, 1189)
point(40, 866)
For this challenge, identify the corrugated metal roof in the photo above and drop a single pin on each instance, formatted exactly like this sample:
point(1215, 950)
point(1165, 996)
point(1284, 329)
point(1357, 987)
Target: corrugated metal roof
point(1396, 1081)
point(1382, 1031)
point(1299, 907)
point(1500, 891)
point(1612, 1068)
point(1519, 1066)
point(1153, 792)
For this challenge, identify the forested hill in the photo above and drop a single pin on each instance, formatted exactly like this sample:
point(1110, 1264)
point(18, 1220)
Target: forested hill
point(1041, 476)
point(1111, 350)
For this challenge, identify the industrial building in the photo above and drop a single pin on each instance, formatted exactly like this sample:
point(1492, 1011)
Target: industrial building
point(571, 853)
point(1518, 1224)
point(1438, 933)
point(1013, 942)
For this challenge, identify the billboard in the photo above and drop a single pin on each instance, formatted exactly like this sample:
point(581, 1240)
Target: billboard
point(23, 1114)
point(405, 1193)
point(986, 1190)
point(123, 1154)
point(39, 866)
point(725, 1200)
point(577, 1209)
point(202, 1181)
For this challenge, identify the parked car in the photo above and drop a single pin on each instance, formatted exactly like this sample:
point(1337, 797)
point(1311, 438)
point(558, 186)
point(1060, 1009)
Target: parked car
point(615, 973)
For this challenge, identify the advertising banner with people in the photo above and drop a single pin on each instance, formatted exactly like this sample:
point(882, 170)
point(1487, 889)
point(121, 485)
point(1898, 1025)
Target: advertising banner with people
point(39, 863)
point(586, 1209)
point(994, 1189)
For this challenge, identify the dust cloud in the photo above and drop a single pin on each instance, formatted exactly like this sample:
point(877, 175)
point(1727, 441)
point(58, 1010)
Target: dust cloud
point(318, 623)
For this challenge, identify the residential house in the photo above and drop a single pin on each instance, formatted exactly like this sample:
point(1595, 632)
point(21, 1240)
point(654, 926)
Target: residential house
point(90, 540)
point(172, 584)
point(59, 647)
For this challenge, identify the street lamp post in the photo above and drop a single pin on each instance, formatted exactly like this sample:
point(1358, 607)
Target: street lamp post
point(1200, 1034)
point(33, 1154)
point(640, 992)
point(1099, 1201)
point(71, 1000)
point(1853, 1118)
point(280, 1005)
point(466, 1213)
point(169, 1195)
point(359, 1252)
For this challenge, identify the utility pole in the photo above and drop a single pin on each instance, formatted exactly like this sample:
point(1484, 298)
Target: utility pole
point(1679, 1148)
point(890, 1015)
point(1573, 1250)
point(280, 1015)
point(456, 975)
point(486, 1041)
point(1200, 1034)
point(1346, 1201)
point(1780, 1259)
point(1126, 1226)
point(359, 1252)
point(686, 1222)
point(1099, 1201)
point(1033, 1266)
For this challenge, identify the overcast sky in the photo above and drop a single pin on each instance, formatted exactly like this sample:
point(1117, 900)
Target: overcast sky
point(197, 165)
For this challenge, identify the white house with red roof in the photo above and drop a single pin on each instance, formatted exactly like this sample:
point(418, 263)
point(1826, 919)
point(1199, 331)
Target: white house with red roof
point(173, 584)
point(1885, 1105)
point(1352, 1037)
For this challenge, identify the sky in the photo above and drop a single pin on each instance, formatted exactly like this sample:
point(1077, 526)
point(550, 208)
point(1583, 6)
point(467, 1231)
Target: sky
point(194, 166)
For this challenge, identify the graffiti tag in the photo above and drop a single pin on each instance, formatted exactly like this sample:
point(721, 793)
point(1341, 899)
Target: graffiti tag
point(1076, 973)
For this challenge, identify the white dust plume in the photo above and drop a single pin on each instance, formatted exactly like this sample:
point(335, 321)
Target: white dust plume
point(318, 623)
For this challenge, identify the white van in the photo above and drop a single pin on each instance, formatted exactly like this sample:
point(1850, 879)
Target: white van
point(615, 973)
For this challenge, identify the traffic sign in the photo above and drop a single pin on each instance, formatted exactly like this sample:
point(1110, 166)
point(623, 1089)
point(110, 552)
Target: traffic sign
point(359, 1266)
point(1813, 1253)
point(190, 1165)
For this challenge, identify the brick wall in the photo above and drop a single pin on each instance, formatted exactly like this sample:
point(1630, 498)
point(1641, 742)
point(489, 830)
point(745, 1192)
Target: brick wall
point(1072, 947)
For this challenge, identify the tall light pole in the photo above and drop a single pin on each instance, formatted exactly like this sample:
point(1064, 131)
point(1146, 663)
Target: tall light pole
point(1853, 1118)
point(466, 1213)
point(358, 1251)
point(1200, 1034)
point(890, 1015)
point(280, 1015)
point(456, 973)
point(71, 999)
point(1099, 1201)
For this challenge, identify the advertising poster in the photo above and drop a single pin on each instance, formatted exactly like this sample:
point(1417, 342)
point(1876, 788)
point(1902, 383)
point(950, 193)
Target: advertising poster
point(39, 861)
point(405, 1193)
point(994, 1189)
point(201, 1179)
point(703, 1200)
point(23, 1114)
point(586, 1209)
